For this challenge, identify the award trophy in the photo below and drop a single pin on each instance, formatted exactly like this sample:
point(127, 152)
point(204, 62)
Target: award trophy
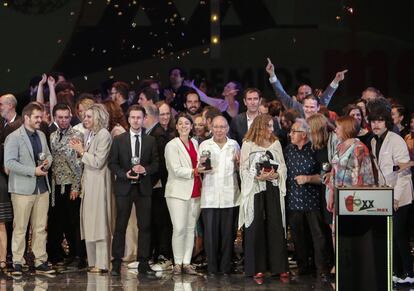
point(265, 164)
point(326, 168)
point(41, 158)
point(206, 154)
point(134, 161)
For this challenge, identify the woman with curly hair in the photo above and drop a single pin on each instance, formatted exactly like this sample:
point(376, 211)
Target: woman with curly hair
point(262, 201)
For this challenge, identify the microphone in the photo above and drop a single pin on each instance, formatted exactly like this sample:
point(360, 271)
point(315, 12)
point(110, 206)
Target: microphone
point(379, 170)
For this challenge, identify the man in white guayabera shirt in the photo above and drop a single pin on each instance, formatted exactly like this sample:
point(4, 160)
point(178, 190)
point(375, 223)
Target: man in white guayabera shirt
point(220, 192)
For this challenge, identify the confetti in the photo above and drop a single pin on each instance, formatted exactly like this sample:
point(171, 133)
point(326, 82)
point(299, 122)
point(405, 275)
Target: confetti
point(111, 76)
point(8, 70)
point(109, 69)
point(206, 51)
point(252, 38)
point(90, 2)
point(182, 34)
point(137, 77)
point(104, 51)
point(92, 49)
point(119, 13)
point(169, 44)
point(133, 24)
point(294, 40)
point(133, 46)
point(5, 4)
point(182, 18)
point(338, 17)
point(349, 9)
point(86, 78)
point(59, 41)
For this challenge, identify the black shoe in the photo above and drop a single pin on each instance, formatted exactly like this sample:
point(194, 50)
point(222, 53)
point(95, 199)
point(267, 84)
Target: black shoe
point(116, 268)
point(44, 269)
point(18, 270)
point(144, 268)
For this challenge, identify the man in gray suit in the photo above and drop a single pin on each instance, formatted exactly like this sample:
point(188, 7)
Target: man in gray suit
point(27, 158)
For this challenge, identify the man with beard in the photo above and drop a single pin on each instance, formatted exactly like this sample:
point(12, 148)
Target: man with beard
point(192, 103)
point(29, 187)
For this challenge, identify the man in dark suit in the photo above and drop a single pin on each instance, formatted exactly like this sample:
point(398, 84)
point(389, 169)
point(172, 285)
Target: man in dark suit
point(161, 221)
point(131, 188)
point(252, 97)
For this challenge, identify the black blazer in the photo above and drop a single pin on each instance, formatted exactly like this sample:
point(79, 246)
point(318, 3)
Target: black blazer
point(161, 140)
point(120, 163)
point(238, 128)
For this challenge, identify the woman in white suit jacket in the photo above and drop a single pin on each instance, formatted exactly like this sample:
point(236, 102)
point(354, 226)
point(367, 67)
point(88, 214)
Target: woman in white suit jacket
point(96, 188)
point(182, 192)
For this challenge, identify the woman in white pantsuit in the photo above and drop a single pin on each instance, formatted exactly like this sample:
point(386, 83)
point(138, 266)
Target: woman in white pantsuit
point(182, 192)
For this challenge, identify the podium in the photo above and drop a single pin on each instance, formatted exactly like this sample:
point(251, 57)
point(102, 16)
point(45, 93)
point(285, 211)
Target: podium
point(363, 225)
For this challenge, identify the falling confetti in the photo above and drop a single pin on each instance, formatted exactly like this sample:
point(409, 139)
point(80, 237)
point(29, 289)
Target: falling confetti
point(252, 38)
point(104, 51)
point(90, 2)
point(338, 17)
point(86, 78)
point(119, 13)
point(8, 70)
point(109, 69)
point(5, 4)
point(294, 40)
point(92, 49)
point(134, 24)
point(206, 51)
point(59, 41)
point(72, 13)
point(349, 9)
point(182, 34)
point(111, 76)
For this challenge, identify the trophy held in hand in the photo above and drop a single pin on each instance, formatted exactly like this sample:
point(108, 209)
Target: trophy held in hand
point(134, 161)
point(206, 156)
point(41, 158)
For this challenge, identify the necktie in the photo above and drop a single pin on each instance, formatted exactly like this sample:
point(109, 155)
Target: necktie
point(137, 145)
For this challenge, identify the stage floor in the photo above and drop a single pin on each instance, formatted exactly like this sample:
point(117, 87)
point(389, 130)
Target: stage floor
point(130, 281)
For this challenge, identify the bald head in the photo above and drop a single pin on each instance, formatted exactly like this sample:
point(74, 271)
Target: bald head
point(220, 128)
point(8, 105)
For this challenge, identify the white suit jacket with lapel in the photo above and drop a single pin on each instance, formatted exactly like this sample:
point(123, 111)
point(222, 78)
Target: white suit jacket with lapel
point(180, 170)
point(393, 151)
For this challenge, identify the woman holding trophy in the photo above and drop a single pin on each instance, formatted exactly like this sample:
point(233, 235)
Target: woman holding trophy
point(262, 200)
point(96, 187)
point(182, 192)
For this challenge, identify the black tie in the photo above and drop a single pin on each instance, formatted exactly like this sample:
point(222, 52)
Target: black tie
point(137, 145)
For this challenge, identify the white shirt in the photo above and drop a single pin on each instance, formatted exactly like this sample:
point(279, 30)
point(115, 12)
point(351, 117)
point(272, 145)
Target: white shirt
point(133, 140)
point(220, 187)
point(249, 120)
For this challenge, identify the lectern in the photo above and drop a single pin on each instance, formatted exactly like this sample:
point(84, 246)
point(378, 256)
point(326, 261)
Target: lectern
point(363, 224)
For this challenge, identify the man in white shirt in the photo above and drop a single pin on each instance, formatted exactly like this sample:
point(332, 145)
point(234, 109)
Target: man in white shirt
point(220, 192)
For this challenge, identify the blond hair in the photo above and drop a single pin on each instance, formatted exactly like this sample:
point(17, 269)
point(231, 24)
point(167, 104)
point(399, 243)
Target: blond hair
point(100, 117)
point(319, 134)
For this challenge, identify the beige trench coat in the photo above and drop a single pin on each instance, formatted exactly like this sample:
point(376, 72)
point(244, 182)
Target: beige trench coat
point(95, 209)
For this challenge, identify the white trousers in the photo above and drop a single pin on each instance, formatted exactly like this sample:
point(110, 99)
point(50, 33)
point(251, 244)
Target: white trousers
point(97, 252)
point(184, 215)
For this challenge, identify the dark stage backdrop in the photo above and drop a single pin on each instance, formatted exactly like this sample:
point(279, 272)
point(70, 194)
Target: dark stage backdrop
point(308, 41)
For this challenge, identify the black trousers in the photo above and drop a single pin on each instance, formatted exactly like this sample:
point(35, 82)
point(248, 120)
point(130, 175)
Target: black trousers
point(219, 237)
point(161, 230)
point(298, 221)
point(265, 243)
point(403, 262)
point(123, 212)
point(64, 222)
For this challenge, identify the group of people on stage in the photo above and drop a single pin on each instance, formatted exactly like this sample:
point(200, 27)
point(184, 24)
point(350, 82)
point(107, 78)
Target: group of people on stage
point(174, 163)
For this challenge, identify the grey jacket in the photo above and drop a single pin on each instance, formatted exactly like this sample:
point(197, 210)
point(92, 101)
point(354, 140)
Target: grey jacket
point(20, 161)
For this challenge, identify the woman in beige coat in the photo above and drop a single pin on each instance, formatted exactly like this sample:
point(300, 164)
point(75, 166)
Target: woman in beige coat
point(96, 188)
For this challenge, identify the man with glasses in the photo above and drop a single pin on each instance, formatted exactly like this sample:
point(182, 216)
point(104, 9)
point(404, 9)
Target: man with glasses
point(303, 199)
point(220, 192)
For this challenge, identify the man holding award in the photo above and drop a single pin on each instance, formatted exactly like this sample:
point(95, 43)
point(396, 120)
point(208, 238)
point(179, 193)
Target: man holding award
point(133, 159)
point(27, 158)
point(219, 156)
